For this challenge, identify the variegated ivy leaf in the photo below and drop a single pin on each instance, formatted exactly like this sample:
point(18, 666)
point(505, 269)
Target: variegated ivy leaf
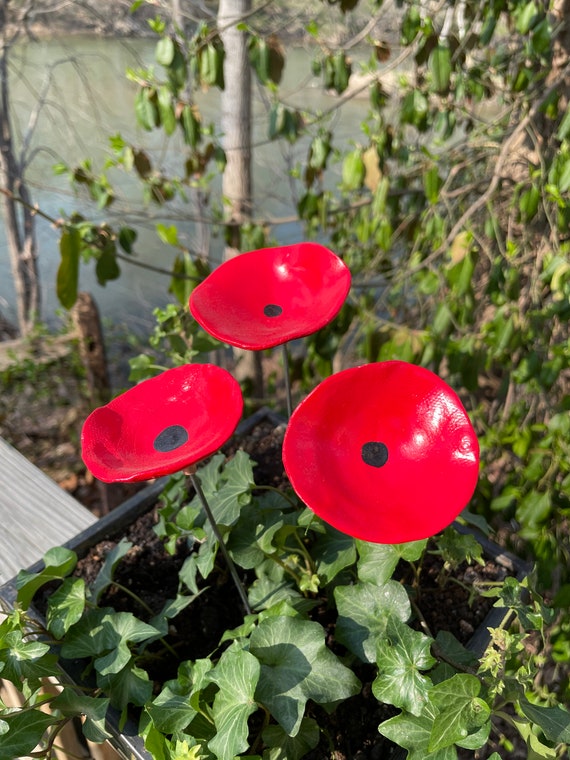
point(460, 710)
point(297, 666)
point(413, 733)
point(226, 491)
point(170, 711)
point(21, 659)
point(65, 606)
point(363, 611)
point(377, 562)
point(401, 655)
point(237, 674)
point(105, 635)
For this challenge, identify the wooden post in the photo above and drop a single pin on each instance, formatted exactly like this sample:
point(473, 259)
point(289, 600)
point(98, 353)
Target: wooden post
point(85, 315)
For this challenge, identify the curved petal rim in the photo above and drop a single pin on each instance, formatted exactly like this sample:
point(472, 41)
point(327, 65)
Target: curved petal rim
point(263, 298)
point(162, 425)
point(384, 452)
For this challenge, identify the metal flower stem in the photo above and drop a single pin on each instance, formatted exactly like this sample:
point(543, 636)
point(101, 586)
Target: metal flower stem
point(287, 379)
point(230, 563)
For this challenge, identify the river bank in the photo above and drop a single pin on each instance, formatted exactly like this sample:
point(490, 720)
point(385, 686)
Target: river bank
point(119, 18)
point(112, 18)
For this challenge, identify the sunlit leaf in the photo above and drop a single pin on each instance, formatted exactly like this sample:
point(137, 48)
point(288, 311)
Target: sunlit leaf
point(377, 562)
point(296, 666)
point(236, 675)
point(65, 606)
point(363, 613)
point(460, 710)
point(400, 657)
point(58, 563)
point(413, 733)
point(171, 711)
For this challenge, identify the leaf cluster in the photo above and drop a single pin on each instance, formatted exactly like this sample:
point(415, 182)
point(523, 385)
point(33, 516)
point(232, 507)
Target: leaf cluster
point(255, 693)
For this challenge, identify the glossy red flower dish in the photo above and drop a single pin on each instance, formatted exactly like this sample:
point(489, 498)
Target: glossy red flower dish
point(264, 298)
point(384, 452)
point(163, 424)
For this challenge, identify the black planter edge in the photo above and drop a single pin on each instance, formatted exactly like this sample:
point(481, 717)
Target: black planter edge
point(517, 567)
point(125, 738)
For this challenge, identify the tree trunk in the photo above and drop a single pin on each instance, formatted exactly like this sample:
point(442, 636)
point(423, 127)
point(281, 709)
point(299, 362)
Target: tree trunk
point(236, 129)
point(236, 119)
point(19, 222)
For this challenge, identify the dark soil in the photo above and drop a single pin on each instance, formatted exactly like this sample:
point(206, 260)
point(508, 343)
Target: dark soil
point(151, 573)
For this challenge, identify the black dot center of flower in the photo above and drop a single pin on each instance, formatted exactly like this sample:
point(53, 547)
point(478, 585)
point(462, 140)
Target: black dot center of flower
point(272, 310)
point(170, 438)
point(375, 453)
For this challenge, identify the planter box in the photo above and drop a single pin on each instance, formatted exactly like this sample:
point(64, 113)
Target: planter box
point(125, 739)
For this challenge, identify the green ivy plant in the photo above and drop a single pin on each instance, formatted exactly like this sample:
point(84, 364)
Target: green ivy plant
point(254, 695)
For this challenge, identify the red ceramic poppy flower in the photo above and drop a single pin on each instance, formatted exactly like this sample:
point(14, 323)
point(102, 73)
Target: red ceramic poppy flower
point(163, 424)
point(383, 452)
point(263, 298)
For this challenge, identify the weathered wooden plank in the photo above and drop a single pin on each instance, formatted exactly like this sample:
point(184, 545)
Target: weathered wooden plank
point(35, 513)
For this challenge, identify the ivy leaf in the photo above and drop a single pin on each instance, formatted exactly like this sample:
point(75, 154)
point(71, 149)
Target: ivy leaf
point(460, 710)
point(413, 733)
point(400, 657)
point(242, 542)
point(171, 711)
point(554, 721)
point(210, 475)
point(284, 747)
point(332, 552)
point(477, 738)
point(297, 666)
point(105, 634)
point(130, 686)
point(237, 674)
point(58, 562)
point(363, 610)
point(65, 606)
point(94, 710)
point(21, 660)
point(105, 575)
point(454, 650)
point(271, 587)
point(25, 731)
point(377, 562)
point(235, 492)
